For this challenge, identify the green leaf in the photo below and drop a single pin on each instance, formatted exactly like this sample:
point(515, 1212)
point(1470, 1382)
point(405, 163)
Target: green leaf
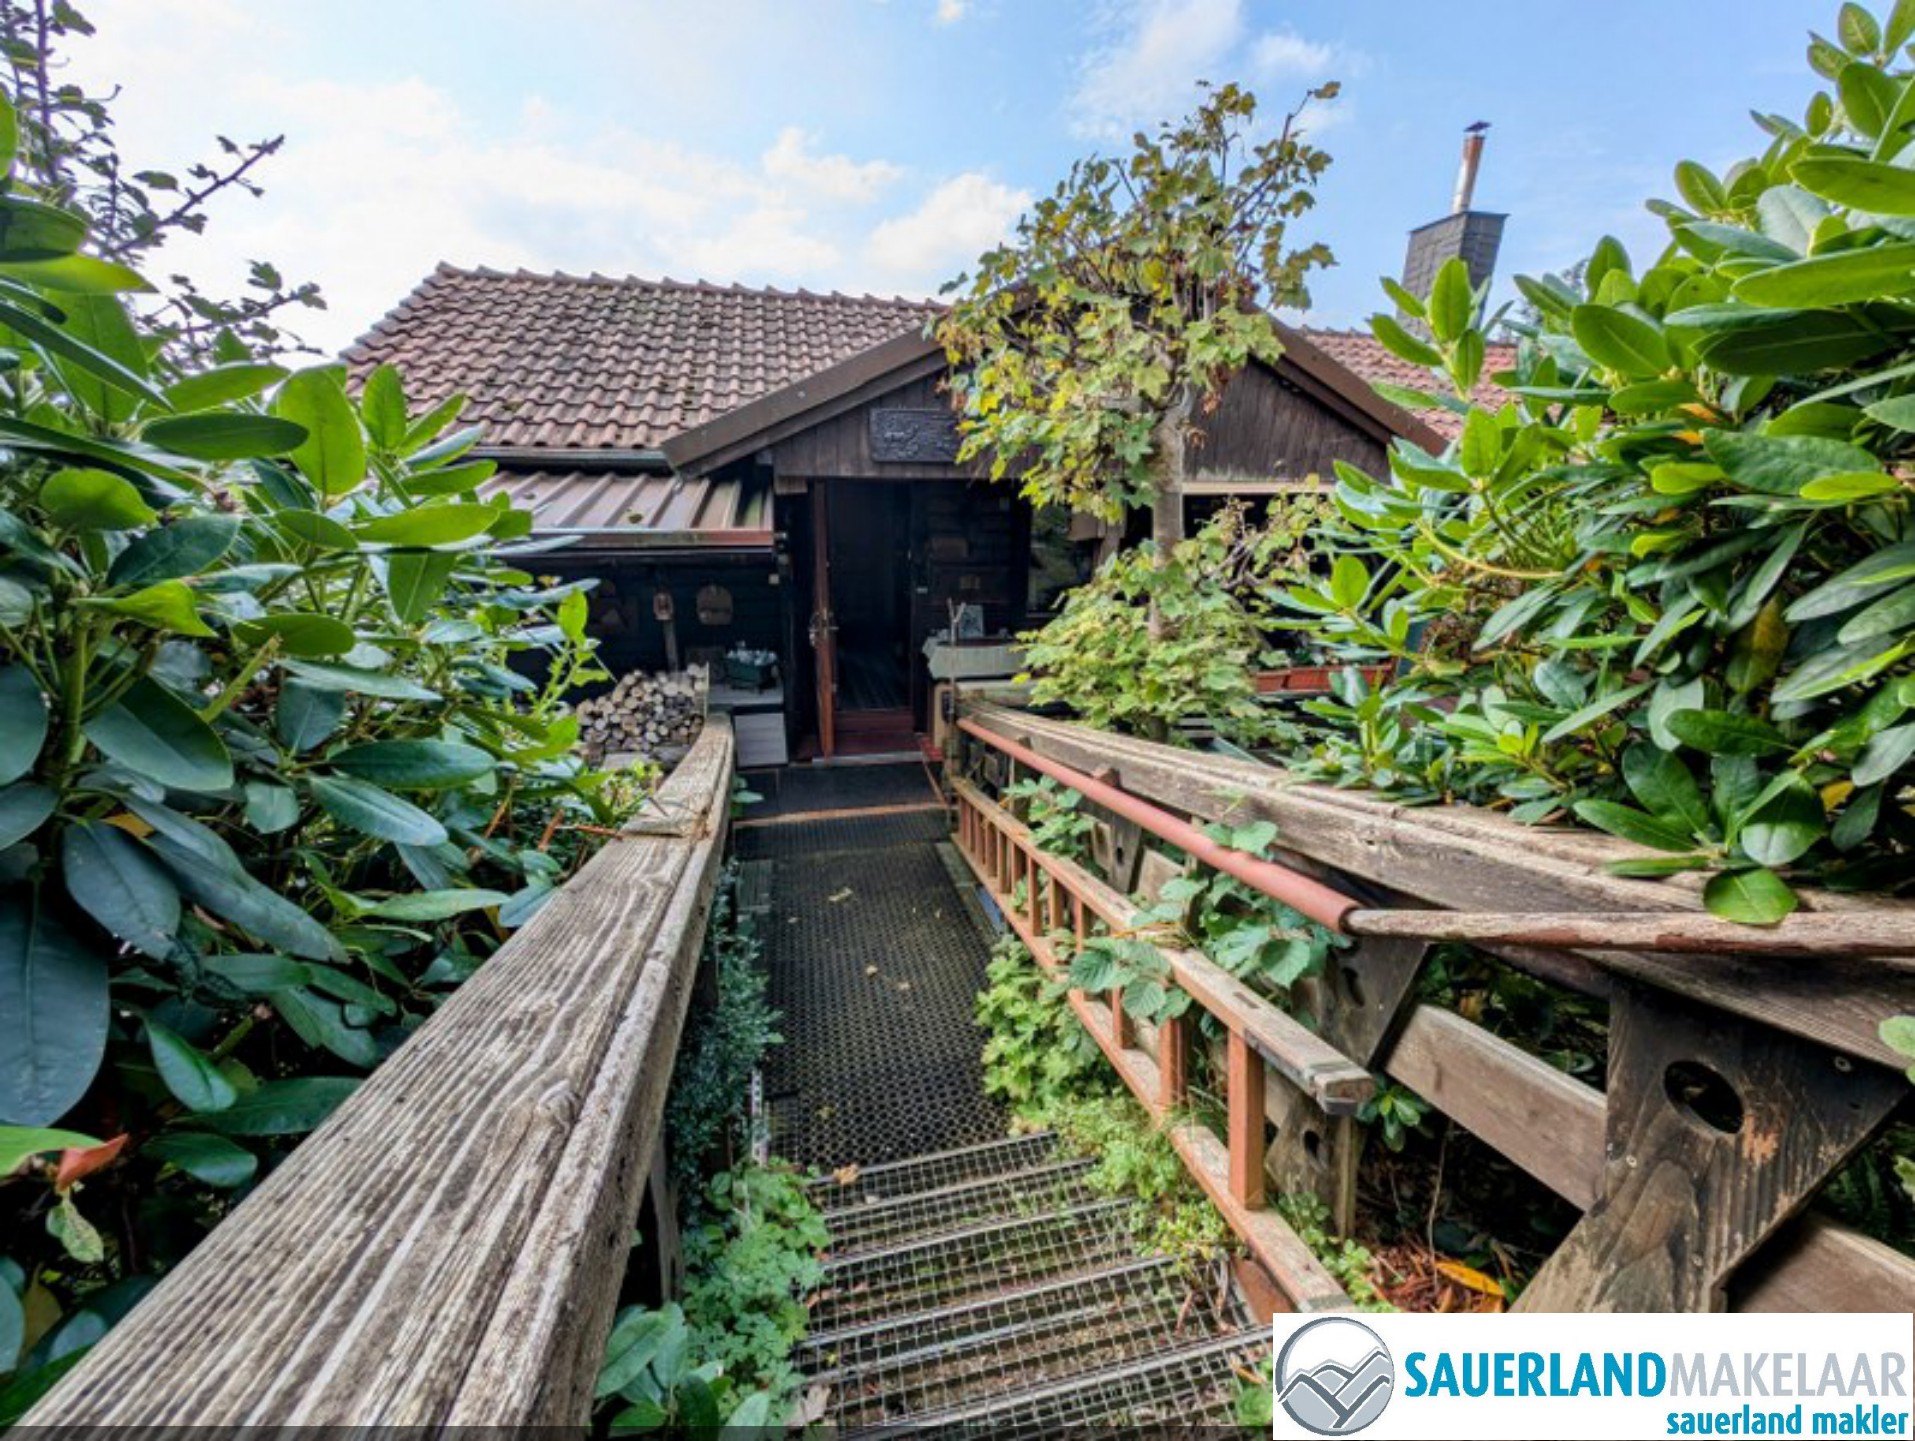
point(184, 548)
point(384, 404)
point(315, 529)
point(1831, 670)
point(89, 500)
point(636, 1337)
point(1403, 345)
point(1847, 277)
point(322, 1025)
point(375, 812)
point(1634, 825)
point(23, 722)
point(427, 525)
point(299, 633)
point(1664, 785)
point(271, 809)
point(1894, 612)
point(1756, 651)
point(1848, 489)
point(78, 1237)
point(263, 914)
point(1783, 464)
point(196, 1083)
point(427, 906)
point(223, 385)
point(24, 808)
point(115, 881)
point(362, 682)
point(1576, 721)
point(413, 765)
point(1854, 585)
point(1452, 303)
point(1886, 753)
point(281, 1108)
point(258, 975)
point(1630, 344)
point(1724, 733)
point(1750, 898)
point(33, 230)
point(99, 354)
point(1655, 867)
point(236, 436)
point(1349, 582)
point(170, 605)
point(1785, 825)
point(153, 733)
point(211, 1160)
point(1869, 185)
point(306, 714)
point(53, 993)
point(18, 1143)
point(333, 455)
point(415, 580)
point(9, 152)
point(1750, 340)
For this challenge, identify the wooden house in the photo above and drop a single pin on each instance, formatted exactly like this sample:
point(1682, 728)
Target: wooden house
point(777, 470)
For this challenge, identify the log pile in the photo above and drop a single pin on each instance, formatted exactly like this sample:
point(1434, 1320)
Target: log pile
point(655, 716)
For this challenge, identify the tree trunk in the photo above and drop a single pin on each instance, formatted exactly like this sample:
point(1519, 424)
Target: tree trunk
point(1171, 448)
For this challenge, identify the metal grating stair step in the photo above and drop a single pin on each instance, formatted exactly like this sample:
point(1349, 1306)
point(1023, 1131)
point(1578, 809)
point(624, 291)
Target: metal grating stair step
point(1174, 1391)
point(873, 1224)
point(899, 1368)
point(994, 1257)
point(933, 1172)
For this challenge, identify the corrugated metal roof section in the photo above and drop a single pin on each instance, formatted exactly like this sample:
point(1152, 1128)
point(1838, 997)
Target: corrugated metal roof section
point(621, 511)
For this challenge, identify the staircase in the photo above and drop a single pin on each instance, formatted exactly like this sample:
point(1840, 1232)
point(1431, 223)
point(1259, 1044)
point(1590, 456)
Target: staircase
point(989, 1289)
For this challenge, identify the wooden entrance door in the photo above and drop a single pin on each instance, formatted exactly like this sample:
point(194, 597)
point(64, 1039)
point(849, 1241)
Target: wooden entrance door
point(824, 627)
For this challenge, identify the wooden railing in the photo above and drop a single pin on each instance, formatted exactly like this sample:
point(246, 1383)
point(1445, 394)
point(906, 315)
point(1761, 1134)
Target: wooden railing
point(447, 1248)
point(1685, 1208)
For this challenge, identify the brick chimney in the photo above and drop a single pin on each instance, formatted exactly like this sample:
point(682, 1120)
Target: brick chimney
point(1475, 235)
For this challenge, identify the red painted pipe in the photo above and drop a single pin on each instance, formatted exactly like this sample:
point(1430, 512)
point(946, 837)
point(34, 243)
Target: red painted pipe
point(1296, 890)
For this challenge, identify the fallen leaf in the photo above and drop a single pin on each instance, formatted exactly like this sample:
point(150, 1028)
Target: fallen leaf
point(871, 970)
point(843, 895)
point(1471, 1277)
point(81, 1161)
point(847, 1175)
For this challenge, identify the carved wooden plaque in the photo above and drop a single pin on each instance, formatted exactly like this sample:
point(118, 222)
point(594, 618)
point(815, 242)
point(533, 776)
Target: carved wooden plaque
point(924, 436)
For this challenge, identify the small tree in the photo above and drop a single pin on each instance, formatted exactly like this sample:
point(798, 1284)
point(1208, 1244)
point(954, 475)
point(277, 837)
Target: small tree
point(1084, 349)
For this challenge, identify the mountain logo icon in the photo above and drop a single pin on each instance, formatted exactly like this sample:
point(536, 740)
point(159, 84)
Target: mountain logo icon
point(1335, 1376)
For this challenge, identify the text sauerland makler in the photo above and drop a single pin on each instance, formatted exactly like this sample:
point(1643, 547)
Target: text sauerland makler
point(1754, 1379)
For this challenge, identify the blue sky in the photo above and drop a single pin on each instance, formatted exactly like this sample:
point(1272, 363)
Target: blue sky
point(880, 144)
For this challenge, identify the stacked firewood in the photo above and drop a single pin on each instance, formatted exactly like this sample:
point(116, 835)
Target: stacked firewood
point(649, 715)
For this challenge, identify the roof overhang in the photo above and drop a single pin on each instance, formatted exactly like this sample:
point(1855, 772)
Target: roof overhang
point(753, 426)
point(642, 512)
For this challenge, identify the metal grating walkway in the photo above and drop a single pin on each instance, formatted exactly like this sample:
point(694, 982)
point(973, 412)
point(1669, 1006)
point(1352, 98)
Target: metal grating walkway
point(875, 965)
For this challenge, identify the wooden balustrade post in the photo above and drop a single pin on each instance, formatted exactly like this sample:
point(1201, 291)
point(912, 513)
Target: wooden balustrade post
point(1244, 1091)
point(1173, 1063)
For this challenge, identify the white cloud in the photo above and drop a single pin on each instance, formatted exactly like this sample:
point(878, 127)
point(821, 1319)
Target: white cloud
point(381, 180)
point(949, 12)
point(956, 223)
point(837, 176)
point(1156, 51)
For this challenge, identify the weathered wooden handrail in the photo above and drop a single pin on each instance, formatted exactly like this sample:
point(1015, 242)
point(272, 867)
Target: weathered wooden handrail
point(1781, 1040)
point(1004, 854)
point(447, 1248)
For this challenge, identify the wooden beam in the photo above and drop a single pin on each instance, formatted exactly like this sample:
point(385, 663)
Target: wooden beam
point(1889, 935)
point(1244, 1093)
point(414, 1262)
point(1464, 859)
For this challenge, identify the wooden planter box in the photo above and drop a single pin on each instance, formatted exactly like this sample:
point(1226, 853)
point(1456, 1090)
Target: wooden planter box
point(1311, 679)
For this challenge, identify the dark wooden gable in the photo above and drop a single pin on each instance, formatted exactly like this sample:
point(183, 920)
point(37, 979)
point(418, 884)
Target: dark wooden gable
point(1269, 426)
point(905, 434)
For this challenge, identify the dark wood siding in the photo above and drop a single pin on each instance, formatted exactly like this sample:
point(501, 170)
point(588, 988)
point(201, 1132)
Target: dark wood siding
point(841, 446)
point(1266, 428)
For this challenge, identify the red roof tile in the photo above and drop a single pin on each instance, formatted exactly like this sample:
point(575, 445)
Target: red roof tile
point(590, 362)
point(1360, 351)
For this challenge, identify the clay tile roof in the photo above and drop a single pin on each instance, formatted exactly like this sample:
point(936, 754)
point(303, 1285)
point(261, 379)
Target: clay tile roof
point(570, 362)
point(1361, 352)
